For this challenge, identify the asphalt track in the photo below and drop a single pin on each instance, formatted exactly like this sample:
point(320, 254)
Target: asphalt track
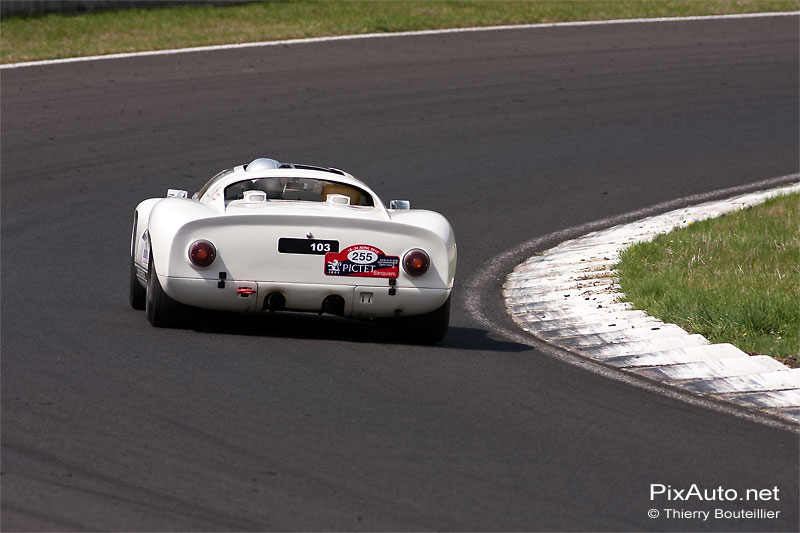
point(307, 423)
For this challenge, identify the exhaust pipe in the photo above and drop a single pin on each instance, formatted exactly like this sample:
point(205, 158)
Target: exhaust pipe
point(275, 301)
point(333, 304)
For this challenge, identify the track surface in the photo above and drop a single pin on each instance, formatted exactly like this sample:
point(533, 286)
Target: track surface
point(316, 424)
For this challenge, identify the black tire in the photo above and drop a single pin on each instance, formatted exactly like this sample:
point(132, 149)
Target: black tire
point(137, 295)
point(429, 328)
point(163, 311)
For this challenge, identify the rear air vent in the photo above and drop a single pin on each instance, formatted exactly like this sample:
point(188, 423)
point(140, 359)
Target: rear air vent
point(262, 163)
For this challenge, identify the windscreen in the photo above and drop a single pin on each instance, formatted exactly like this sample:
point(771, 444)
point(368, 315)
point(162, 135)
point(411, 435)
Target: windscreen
point(210, 183)
point(298, 190)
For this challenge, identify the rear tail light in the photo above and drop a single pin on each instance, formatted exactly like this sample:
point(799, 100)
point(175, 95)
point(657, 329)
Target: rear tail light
point(416, 263)
point(202, 253)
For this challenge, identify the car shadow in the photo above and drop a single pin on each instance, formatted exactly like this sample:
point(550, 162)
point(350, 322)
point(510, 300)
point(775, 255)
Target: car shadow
point(462, 338)
point(328, 327)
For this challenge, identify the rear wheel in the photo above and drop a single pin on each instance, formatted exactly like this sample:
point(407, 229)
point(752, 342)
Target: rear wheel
point(137, 295)
point(429, 328)
point(163, 311)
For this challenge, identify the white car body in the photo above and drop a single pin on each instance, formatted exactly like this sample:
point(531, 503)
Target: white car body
point(290, 237)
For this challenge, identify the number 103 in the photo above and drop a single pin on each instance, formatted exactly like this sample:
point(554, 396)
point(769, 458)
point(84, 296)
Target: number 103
point(320, 247)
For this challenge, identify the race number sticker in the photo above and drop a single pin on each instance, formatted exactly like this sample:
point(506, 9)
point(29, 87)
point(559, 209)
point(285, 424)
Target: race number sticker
point(363, 261)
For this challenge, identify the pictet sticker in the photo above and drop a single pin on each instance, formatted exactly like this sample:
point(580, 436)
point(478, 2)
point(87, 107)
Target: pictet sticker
point(363, 261)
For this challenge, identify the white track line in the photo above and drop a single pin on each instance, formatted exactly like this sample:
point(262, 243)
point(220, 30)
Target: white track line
point(391, 35)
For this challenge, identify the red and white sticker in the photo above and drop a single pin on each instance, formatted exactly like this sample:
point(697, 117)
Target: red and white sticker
point(363, 261)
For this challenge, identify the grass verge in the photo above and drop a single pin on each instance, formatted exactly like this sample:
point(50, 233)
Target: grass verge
point(733, 279)
point(52, 36)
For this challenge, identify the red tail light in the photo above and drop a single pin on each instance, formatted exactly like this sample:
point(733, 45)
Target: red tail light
point(416, 262)
point(202, 253)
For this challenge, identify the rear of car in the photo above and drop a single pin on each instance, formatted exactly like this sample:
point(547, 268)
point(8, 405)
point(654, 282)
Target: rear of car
point(251, 247)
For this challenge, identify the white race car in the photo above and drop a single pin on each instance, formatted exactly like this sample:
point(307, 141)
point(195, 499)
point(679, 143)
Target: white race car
point(280, 237)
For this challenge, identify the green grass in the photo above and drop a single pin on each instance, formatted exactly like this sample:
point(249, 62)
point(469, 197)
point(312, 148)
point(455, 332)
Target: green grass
point(53, 36)
point(733, 279)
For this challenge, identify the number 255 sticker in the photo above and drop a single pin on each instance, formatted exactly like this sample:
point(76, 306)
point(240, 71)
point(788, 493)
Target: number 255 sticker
point(362, 260)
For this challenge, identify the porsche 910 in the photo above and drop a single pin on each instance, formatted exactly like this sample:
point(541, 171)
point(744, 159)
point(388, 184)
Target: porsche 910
point(274, 237)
